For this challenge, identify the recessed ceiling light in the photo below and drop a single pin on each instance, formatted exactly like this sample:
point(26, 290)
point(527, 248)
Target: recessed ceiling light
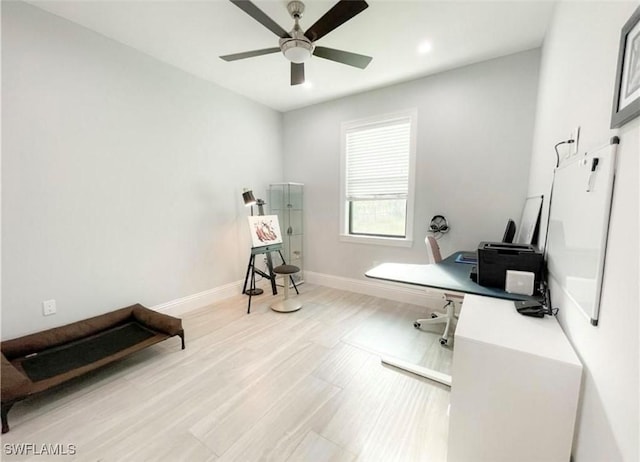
point(424, 47)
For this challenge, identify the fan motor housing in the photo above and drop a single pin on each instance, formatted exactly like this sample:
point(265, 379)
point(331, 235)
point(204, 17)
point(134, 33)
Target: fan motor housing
point(296, 50)
point(295, 8)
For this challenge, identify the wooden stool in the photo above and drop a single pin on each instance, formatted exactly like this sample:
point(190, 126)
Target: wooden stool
point(287, 305)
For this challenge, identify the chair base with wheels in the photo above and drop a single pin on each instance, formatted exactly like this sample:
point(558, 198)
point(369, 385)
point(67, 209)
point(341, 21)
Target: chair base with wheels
point(443, 318)
point(433, 252)
point(287, 305)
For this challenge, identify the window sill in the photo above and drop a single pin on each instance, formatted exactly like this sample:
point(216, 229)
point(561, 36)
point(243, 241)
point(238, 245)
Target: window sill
point(375, 240)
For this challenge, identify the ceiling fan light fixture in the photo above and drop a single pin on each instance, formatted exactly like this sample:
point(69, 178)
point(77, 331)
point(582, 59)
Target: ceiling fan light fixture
point(296, 51)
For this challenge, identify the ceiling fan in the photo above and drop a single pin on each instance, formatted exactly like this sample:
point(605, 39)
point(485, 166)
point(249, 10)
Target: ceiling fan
point(298, 45)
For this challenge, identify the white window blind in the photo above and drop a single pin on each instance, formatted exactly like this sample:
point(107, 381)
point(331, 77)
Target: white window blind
point(377, 160)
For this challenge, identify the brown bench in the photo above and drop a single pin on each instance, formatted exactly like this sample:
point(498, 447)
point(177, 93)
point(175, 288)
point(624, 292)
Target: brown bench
point(40, 361)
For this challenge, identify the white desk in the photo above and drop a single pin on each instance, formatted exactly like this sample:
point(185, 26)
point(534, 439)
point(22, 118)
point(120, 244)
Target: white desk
point(448, 275)
point(516, 383)
point(515, 379)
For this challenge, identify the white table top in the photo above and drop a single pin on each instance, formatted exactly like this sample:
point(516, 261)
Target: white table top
point(493, 321)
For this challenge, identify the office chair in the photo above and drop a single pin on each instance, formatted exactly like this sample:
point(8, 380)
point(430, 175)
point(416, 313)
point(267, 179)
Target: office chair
point(433, 251)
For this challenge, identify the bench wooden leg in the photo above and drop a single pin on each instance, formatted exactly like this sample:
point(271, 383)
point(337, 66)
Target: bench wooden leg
point(181, 334)
point(6, 407)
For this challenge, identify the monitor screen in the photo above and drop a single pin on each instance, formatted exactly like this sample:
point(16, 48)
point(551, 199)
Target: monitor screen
point(509, 232)
point(529, 221)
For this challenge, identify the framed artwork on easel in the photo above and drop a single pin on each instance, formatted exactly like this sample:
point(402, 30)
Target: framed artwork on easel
point(265, 230)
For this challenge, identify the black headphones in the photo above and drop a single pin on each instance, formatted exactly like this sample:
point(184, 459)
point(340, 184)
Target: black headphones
point(438, 224)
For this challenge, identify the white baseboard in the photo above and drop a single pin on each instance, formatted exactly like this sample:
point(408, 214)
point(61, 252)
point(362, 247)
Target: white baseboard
point(402, 293)
point(389, 290)
point(192, 302)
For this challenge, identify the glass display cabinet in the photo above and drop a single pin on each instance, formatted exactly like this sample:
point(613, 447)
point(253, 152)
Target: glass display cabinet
point(285, 200)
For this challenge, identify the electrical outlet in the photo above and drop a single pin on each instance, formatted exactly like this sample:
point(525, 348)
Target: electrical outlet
point(575, 136)
point(48, 307)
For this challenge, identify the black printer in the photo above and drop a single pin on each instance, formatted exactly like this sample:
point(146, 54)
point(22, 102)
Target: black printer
point(495, 258)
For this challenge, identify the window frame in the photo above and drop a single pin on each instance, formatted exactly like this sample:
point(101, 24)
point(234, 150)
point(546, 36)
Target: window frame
point(349, 224)
point(344, 235)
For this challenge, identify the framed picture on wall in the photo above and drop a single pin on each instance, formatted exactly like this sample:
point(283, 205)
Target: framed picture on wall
point(626, 99)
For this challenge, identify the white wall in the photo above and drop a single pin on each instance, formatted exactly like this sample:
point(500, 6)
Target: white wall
point(121, 175)
point(475, 129)
point(576, 88)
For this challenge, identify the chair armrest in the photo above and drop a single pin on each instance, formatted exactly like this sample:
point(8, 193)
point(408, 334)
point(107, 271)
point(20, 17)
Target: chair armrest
point(158, 321)
point(15, 385)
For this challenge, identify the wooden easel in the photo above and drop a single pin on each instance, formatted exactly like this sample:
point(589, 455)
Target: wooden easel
point(250, 277)
point(252, 270)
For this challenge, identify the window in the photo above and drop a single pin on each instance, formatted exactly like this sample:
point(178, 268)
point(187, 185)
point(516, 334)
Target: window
point(378, 158)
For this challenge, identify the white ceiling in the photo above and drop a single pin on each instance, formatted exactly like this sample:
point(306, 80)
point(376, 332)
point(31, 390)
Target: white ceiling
point(191, 35)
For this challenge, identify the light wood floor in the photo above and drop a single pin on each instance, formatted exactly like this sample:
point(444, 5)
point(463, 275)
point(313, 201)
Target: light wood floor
point(303, 386)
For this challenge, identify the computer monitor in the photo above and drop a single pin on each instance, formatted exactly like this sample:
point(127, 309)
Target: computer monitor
point(509, 232)
point(527, 232)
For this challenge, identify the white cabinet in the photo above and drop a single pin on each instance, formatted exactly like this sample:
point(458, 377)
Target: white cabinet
point(285, 200)
point(515, 386)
